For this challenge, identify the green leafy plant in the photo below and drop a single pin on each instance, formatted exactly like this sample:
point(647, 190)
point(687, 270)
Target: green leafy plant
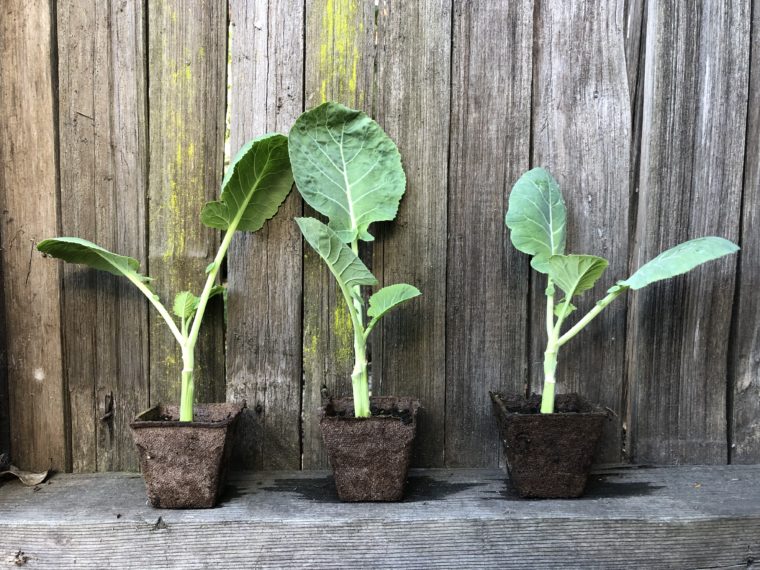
point(536, 218)
point(255, 184)
point(349, 170)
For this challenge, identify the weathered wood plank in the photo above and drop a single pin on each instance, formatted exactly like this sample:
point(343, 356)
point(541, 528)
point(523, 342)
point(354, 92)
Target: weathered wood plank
point(187, 77)
point(28, 184)
point(339, 67)
point(5, 419)
point(265, 269)
point(745, 354)
point(413, 89)
point(687, 517)
point(581, 133)
point(102, 117)
point(694, 120)
point(487, 279)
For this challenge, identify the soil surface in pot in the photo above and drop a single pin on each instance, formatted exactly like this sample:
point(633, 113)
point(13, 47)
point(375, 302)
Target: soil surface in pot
point(370, 456)
point(184, 463)
point(549, 455)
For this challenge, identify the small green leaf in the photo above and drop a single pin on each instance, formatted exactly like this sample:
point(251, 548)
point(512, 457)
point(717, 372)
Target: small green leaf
point(679, 259)
point(389, 297)
point(217, 290)
point(185, 304)
point(347, 268)
point(558, 308)
point(210, 267)
point(83, 252)
point(536, 214)
point(346, 168)
point(574, 274)
point(257, 181)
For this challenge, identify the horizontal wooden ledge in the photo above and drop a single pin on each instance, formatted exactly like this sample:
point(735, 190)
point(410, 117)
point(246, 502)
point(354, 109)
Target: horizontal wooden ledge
point(663, 517)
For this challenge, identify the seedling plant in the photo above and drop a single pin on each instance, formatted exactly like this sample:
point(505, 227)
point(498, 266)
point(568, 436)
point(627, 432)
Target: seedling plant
point(347, 169)
point(536, 218)
point(257, 181)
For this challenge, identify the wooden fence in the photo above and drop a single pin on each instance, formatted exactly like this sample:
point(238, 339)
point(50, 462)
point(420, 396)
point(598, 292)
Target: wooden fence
point(112, 127)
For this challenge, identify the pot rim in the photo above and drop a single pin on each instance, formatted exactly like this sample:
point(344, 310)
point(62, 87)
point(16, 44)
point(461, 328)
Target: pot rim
point(138, 423)
point(598, 411)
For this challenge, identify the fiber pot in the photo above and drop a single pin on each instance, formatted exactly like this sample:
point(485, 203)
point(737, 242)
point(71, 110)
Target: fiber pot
point(184, 464)
point(370, 456)
point(549, 455)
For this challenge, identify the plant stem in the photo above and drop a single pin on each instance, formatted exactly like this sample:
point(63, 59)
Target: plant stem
point(187, 395)
point(550, 381)
point(588, 317)
point(550, 355)
point(359, 376)
point(153, 298)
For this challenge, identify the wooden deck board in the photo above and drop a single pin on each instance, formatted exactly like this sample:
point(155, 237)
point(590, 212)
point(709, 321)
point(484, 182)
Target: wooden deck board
point(667, 517)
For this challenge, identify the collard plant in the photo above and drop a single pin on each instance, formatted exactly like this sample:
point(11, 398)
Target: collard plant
point(257, 181)
point(349, 170)
point(536, 218)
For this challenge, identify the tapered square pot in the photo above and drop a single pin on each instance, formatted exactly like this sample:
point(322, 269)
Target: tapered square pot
point(370, 456)
point(549, 455)
point(184, 464)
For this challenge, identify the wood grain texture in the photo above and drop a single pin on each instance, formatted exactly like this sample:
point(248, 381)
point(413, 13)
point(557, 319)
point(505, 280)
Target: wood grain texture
point(744, 387)
point(5, 413)
point(340, 48)
point(687, 517)
point(413, 85)
point(581, 133)
point(102, 118)
point(265, 268)
point(28, 191)
point(187, 78)
point(694, 120)
point(486, 303)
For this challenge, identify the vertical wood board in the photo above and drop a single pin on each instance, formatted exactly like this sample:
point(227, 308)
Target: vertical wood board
point(102, 120)
point(28, 192)
point(487, 279)
point(265, 269)
point(413, 87)
point(744, 366)
point(187, 94)
point(693, 126)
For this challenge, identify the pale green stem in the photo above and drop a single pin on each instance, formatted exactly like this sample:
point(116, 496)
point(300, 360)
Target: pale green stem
point(359, 376)
point(588, 317)
point(550, 355)
point(549, 308)
point(188, 365)
point(187, 395)
point(153, 298)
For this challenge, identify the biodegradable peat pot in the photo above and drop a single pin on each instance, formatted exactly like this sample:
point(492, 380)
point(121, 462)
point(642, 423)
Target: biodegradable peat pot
point(370, 456)
point(549, 455)
point(184, 464)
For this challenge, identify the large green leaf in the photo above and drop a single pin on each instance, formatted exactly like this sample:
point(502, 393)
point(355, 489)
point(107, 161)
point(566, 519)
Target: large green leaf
point(346, 168)
point(347, 268)
point(389, 297)
point(536, 214)
point(83, 252)
point(679, 259)
point(255, 184)
point(574, 274)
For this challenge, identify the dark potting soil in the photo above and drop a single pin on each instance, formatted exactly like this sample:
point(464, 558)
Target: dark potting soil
point(549, 455)
point(405, 415)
